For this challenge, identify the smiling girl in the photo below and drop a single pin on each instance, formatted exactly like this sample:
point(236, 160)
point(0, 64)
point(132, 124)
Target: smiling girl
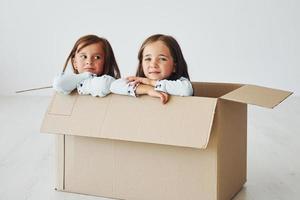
point(94, 67)
point(162, 71)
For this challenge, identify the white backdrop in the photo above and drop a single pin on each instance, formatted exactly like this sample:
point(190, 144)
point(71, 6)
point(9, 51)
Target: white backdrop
point(243, 41)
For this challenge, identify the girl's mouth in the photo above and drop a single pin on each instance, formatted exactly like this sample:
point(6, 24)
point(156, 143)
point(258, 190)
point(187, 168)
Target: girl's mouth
point(89, 69)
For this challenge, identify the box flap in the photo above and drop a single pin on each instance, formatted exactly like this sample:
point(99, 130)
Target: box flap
point(183, 121)
point(257, 95)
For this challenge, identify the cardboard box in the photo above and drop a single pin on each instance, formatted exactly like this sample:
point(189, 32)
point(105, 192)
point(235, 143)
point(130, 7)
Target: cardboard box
point(136, 148)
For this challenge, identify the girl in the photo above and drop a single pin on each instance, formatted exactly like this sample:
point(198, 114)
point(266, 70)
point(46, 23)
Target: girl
point(162, 71)
point(94, 67)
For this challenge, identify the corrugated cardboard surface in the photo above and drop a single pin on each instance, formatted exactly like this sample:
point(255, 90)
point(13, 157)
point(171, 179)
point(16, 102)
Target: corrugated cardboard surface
point(130, 170)
point(142, 119)
point(216, 90)
point(257, 95)
point(63, 105)
point(60, 161)
point(137, 148)
point(231, 127)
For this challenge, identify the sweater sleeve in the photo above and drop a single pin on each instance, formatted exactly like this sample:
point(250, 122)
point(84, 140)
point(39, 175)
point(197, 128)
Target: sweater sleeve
point(179, 87)
point(96, 86)
point(121, 86)
point(65, 83)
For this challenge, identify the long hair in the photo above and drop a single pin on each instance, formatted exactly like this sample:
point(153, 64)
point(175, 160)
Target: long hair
point(180, 65)
point(110, 65)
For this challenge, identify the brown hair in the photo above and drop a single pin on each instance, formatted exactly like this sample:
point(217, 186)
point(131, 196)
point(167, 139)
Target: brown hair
point(176, 53)
point(110, 65)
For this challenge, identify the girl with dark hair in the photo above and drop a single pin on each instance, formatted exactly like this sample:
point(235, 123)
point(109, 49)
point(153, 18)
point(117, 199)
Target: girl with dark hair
point(162, 71)
point(94, 67)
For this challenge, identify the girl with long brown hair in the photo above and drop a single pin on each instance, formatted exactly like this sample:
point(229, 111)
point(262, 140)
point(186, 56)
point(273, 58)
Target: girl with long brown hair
point(162, 71)
point(94, 68)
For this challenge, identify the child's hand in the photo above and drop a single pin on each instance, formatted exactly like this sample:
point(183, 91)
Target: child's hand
point(148, 89)
point(133, 80)
point(164, 97)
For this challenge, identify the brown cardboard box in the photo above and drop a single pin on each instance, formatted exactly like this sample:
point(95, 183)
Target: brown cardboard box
point(136, 148)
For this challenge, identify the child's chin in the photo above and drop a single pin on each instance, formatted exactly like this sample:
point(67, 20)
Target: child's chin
point(154, 77)
point(91, 71)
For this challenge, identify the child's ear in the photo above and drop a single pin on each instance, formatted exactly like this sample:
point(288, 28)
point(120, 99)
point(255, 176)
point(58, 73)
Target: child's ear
point(174, 68)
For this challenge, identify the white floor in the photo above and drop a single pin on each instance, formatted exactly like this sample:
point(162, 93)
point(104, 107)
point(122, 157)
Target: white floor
point(27, 156)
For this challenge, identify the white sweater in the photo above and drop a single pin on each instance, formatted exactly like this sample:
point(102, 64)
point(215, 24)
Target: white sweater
point(179, 87)
point(86, 83)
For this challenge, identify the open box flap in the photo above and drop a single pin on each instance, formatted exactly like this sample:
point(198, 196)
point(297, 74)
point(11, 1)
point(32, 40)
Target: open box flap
point(257, 95)
point(183, 121)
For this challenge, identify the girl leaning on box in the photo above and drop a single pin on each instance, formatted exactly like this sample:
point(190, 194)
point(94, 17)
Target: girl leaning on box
point(162, 71)
point(94, 68)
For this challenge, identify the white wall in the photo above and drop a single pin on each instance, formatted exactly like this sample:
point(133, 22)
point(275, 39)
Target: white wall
point(246, 41)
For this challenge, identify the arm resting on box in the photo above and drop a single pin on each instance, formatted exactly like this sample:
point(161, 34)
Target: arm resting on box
point(179, 87)
point(96, 86)
point(65, 83)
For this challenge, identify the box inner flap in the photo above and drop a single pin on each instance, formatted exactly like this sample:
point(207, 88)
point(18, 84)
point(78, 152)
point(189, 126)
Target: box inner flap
point(257, 95)
point(183, 121)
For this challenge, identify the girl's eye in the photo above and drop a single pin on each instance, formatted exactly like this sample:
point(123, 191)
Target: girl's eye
point(83, 56)
point(163, 59)
point(97, 57)
point(147, 59)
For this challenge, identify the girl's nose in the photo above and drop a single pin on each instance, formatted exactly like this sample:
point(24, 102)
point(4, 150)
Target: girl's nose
point(88, 61)
point(153, 64)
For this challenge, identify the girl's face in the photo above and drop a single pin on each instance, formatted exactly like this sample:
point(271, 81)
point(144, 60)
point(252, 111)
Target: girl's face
point(90, 59)
point(157, 61)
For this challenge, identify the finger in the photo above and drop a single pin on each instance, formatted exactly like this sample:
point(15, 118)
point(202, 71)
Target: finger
point(166, 97)
point(127, 80)
point(162, 98)
point(133, 83)
point(131, 78)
